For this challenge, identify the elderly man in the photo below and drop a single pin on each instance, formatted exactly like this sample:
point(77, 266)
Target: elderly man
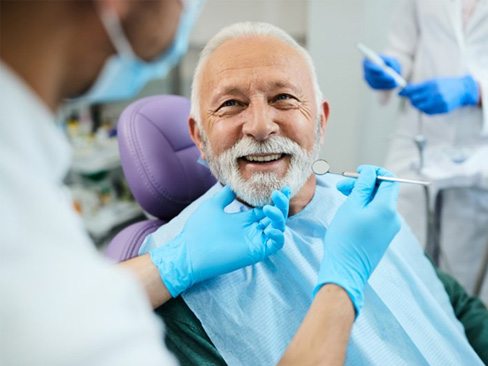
point(258, 118)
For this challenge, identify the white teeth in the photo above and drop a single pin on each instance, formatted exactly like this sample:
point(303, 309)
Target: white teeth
point(263, 158)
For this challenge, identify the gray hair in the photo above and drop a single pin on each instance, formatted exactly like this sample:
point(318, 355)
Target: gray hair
point(245, 30)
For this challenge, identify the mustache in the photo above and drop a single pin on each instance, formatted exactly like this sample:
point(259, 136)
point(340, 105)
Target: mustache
point(273, 145)
point(257, 190)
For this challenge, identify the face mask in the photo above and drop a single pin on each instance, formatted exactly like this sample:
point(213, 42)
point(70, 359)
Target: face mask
point(124, 74)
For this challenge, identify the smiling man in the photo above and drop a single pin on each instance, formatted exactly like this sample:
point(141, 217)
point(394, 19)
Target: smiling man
point(264, 121)
point(258, 118)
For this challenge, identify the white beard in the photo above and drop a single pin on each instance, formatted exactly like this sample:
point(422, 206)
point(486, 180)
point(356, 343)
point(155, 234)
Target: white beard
point(256, 191)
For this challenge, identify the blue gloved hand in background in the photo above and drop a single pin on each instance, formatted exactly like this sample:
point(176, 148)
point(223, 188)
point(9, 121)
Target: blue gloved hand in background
point(360, 232)
point(442, 95)
point(214, 242)
point(376, 77)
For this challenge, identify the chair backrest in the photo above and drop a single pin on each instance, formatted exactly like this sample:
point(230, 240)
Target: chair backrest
point(126, 243)
point(159, 161)
point(158, 157)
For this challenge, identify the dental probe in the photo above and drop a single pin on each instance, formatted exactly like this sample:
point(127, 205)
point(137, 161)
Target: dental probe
point(376, 59)
point(321, 167)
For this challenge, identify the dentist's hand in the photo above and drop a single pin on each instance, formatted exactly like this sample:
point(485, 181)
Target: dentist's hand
point(442, 95)
point(360, 232)
point(376, 77)
point(214, 242)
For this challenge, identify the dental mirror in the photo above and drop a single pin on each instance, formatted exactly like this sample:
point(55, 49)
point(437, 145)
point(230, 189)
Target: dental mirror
point(321, 167)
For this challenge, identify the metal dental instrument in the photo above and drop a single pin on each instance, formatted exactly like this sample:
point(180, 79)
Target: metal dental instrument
point(376, 59)
point(321, 167)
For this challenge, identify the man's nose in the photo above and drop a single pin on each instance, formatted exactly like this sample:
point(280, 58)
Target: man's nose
point(260, 123)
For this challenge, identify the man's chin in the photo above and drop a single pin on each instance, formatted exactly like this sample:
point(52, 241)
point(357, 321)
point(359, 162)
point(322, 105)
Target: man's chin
point(253, 201)
point(256, 194)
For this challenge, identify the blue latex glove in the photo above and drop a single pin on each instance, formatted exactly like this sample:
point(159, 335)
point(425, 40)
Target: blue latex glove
point(214, 242)
point(360, 233)
point(376, 77)
point(442, 95)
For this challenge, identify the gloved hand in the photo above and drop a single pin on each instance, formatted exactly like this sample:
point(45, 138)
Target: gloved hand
point(359, 233)
point(376, 77)
point(442, 95)
point(214, 242)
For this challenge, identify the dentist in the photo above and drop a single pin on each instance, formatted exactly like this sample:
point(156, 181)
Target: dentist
point(61, 303)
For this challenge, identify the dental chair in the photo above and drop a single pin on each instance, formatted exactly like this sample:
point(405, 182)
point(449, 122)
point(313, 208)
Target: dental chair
point(159, 161)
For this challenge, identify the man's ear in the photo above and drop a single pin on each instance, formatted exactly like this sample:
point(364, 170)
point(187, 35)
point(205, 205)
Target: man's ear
point(195, 135)
point(324, 117)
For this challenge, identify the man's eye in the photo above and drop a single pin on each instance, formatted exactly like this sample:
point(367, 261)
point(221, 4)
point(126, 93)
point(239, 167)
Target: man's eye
point(229, 103)
point(283, 97)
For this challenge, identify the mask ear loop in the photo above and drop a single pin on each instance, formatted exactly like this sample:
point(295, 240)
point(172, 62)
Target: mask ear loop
point(111, 23)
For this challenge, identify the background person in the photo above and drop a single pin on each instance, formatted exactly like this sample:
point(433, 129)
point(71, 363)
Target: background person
point(440, 48)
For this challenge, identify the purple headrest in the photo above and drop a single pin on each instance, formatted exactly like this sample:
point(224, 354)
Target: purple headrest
point(158, 156)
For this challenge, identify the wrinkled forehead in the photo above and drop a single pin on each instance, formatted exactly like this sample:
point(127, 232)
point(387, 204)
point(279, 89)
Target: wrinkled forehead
point(262, 60)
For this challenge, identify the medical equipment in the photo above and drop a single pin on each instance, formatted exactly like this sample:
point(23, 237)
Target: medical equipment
point(375, 58)
point(321, 167)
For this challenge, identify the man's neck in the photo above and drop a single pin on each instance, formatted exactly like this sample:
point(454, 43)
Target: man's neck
point(45, 88)
point(34, 50)
point(303, 197)
point(54, 52)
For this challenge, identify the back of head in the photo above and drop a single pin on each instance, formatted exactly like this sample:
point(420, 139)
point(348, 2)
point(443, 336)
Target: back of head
point(245, 30)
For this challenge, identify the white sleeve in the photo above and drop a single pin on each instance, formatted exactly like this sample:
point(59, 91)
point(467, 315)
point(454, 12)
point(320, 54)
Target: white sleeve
point(74, 312)
point(403, 35)
point(61, 302)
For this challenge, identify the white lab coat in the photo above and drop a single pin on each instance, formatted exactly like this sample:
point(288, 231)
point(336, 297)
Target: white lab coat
point(61, 303)
point(428, 38)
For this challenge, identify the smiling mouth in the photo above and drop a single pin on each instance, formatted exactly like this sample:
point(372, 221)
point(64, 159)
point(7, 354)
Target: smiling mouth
point(262, 158)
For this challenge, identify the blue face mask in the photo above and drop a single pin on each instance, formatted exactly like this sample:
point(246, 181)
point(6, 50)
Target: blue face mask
point(124, 74)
